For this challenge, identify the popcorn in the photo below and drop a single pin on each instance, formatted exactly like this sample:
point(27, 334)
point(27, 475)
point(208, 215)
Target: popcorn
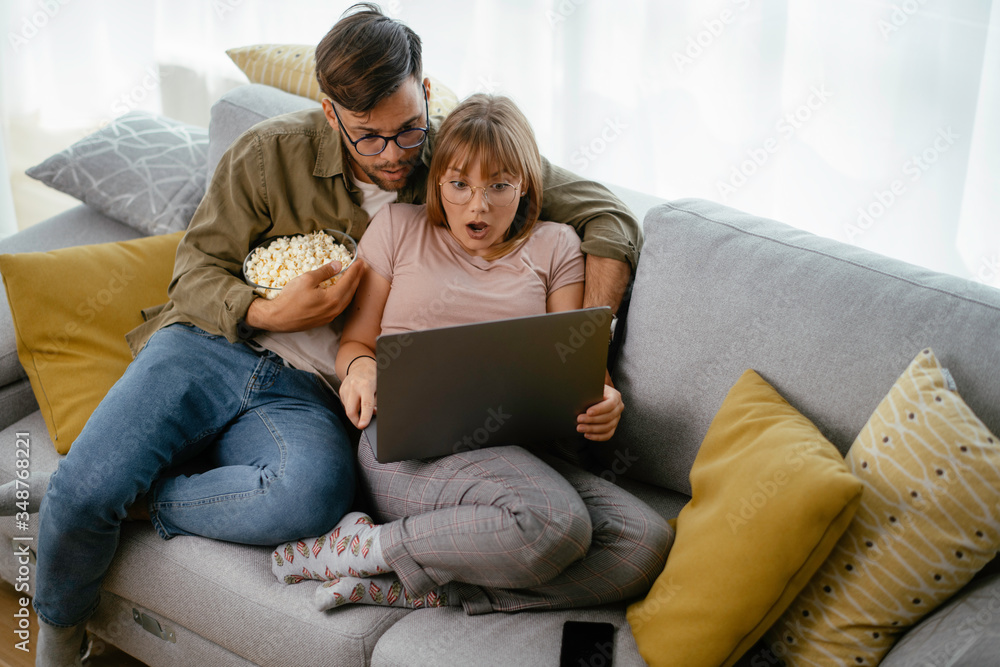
point(274, 264)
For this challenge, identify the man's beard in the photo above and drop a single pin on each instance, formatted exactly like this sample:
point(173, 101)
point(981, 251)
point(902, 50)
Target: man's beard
point(372, 172)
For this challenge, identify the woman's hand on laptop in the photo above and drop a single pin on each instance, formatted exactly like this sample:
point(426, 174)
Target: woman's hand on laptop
point(601, 419)
point(357, 391)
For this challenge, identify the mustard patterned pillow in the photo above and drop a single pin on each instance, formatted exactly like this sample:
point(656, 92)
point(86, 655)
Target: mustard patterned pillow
point(292, 68)
point(929, 520)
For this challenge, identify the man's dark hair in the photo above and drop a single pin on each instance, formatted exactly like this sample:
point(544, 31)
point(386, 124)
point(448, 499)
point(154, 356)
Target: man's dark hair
point(366, 57)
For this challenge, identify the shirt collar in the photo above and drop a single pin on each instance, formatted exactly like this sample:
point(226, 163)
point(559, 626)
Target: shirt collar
point(329, 152)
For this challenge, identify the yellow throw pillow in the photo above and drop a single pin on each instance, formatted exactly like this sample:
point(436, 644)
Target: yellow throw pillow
point(770, 498)
point(292, 68)
point(929, 520)
point(71, 310)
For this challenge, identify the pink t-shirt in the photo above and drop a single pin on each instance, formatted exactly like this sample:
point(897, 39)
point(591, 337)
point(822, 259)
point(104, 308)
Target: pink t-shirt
point(436, 283)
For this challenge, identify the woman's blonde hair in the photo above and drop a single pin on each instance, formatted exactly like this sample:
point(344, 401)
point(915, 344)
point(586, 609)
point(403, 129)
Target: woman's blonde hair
point(492, 129)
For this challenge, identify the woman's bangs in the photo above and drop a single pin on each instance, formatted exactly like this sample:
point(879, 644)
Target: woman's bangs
point(493, 149)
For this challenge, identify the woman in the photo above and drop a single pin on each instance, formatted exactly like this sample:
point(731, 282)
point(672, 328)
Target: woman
point(497, 529)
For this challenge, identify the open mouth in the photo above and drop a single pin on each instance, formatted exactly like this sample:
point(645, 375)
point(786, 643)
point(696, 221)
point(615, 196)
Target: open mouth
point(477, 230)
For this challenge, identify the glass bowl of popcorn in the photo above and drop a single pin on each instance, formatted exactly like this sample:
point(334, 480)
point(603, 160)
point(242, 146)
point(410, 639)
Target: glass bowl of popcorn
point(270, 266)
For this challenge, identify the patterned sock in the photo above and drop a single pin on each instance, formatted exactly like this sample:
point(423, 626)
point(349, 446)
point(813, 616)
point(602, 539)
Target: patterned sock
point(385, 590)
point(352, 549)
point(30, 491)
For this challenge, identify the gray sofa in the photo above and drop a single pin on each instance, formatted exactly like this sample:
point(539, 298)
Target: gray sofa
point(716, 292)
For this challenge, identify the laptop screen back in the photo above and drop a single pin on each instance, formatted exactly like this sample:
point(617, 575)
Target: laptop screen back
point(520, 381)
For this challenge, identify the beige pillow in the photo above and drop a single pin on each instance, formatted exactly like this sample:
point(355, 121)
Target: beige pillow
point(929, 520)
point(71, 310)
point(770, 498)
point(292, 68)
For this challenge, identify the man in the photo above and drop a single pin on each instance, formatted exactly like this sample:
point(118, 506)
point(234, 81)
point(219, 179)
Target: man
point(217, 373)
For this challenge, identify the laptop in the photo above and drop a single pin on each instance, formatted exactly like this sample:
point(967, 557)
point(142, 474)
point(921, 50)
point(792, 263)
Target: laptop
point(520, 381)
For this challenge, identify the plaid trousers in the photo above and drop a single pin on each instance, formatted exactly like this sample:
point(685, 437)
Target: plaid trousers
point(508, 531)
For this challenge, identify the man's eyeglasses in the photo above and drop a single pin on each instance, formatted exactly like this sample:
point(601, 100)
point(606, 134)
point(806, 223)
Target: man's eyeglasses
point(495, 194)
point(373, 144)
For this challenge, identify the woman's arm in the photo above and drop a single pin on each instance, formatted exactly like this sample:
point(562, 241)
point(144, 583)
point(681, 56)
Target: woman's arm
point(569, 297)
point(364, 323)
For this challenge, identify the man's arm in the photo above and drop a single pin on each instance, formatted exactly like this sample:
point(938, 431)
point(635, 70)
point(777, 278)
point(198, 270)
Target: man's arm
point(207, 284)
point(606, 281)
point(611, 235)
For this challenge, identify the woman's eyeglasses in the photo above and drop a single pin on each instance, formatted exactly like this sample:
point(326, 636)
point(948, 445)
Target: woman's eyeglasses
point(495, 194)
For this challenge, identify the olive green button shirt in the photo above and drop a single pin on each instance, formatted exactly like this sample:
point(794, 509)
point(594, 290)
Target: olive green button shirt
point(286, 176)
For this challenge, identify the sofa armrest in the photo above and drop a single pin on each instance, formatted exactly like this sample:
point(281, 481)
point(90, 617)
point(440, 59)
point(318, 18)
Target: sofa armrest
point(16, 402)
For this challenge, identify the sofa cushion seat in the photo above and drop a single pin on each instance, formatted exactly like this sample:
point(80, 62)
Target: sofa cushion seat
point(240, 605)
point(969, 624)
point(222, 605)
point(447, 636)
point(208, 590)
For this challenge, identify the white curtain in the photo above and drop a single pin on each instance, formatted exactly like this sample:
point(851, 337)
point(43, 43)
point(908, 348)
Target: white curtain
point(8, 219)
point(875, 123)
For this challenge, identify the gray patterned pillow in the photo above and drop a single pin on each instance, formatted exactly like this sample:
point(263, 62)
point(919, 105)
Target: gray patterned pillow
point(144, 170)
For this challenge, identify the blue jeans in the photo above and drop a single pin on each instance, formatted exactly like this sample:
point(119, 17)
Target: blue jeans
point(278, 462)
